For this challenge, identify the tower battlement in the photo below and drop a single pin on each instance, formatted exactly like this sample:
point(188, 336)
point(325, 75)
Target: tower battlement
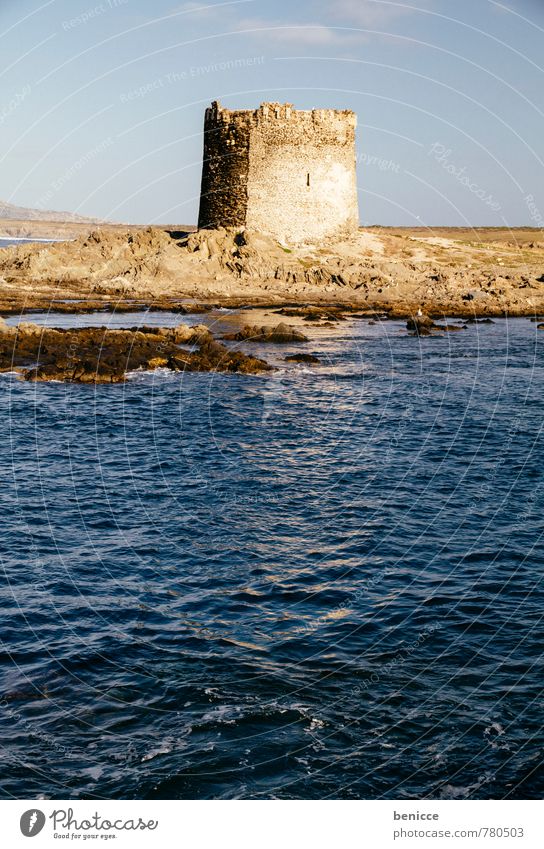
point(282, 171)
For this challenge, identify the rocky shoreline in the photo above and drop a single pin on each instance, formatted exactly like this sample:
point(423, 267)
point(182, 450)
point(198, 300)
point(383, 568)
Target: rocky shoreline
point(437, 285)
point(96, 355)
point(478, 273)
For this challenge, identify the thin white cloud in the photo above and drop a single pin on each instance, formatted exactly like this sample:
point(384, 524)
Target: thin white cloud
point(311, 34)
point(338, 16)
point(193, 7)
point(220, 8)
point(369, 13)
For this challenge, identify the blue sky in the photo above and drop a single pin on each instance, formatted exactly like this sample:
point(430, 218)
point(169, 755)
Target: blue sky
point(102, 101)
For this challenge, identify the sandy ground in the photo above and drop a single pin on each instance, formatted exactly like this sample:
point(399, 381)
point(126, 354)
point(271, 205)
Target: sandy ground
point(453, 271)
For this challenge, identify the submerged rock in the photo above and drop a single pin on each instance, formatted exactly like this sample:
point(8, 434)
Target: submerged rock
point(479, 321)
point(450, 328)
point(302, 358)
point(314, 313)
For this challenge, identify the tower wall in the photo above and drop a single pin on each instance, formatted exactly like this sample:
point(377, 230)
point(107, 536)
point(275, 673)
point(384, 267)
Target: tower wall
point(287, 173)
point(223, 194)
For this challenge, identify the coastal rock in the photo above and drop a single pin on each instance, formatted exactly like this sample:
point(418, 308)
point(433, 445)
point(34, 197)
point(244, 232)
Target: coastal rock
point(421, 325)
point(281, 334)
point(99, 355)
point(215, 357)
point(185, 335)
point(28, 328)
point(81, 373)
point(449, 328)
point(302, 358)
point(314, 313)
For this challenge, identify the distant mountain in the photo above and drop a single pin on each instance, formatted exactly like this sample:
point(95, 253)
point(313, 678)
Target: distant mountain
point(20, 213)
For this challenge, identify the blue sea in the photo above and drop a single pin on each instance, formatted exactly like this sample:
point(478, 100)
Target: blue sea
point(324, 582)
point(10, 243)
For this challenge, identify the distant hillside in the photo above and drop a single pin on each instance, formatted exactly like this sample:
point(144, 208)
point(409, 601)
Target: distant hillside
point(19, 213)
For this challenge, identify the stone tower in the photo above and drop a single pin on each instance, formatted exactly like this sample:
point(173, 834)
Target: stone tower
point(283, 172)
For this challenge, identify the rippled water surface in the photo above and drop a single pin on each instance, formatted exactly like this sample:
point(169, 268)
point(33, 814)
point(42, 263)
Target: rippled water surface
point(325, 582)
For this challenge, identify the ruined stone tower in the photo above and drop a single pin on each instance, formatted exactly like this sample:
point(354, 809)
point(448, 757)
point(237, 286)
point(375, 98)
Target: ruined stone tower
point(284, 172)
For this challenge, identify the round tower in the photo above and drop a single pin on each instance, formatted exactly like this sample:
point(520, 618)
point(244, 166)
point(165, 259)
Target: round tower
point(290, 174)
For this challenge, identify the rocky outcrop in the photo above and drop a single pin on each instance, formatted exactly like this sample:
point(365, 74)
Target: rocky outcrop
point(102, 261)
point(98, 355)
point(422, 325)
point(281, 334)
point(303, 358)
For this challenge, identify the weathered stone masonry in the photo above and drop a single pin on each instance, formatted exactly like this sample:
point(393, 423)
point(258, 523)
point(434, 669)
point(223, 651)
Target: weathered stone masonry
point(287, 173)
